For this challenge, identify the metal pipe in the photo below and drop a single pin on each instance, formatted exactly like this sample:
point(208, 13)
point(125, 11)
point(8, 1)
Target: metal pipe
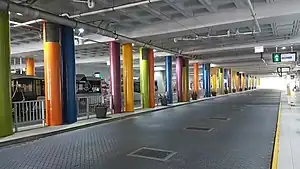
point(37, 14)
point(253, 15)
point(114, 8)
point(17, 24)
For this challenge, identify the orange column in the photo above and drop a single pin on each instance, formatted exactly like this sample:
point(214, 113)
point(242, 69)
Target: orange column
point(196, 77)
point(151, 79)
point(52, 72)
point(30, 68)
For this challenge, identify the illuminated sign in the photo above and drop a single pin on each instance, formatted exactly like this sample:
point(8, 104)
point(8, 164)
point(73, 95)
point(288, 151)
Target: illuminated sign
point(284, 57)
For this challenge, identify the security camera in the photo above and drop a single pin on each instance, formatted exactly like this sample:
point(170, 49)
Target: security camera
point(91, 3)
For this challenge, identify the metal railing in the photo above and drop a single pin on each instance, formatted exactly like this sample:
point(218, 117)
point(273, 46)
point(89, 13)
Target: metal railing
point(86, 105)
point(28, 113)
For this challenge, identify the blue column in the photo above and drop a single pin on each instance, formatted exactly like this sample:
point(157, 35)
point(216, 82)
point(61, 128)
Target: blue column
point(225, 78)
point(68, 75)
point(169, 79)
point(206, 79)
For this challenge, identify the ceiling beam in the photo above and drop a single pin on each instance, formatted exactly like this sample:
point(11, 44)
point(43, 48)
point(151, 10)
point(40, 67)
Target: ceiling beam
point(208, 5)
point(179, 7)
point(155, 12)
point(239, 3)
point(125, 12)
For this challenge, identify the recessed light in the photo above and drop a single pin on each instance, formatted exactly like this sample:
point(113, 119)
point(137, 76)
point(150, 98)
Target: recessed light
point(154, 50)
point(19, 14)
point(283, 48)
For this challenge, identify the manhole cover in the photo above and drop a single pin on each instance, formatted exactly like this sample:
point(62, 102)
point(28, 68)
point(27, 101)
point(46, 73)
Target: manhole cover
point(219, 118)
point(152, 153)
point(205, 129)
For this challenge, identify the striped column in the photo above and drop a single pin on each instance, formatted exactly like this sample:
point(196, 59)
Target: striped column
point(115, 77)
point(128, 77)
point(144, 77)
point(52, 70)
point(169, 79)
point(179, 74)
point(30, 67)
point(196, 78)
point(68, 75)
point(151, 79)
point(5, 82)
point(206, 79)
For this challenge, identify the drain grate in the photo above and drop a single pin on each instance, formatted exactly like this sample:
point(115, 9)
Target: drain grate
point(205, 129)
point(219, 118)
point(152, 153)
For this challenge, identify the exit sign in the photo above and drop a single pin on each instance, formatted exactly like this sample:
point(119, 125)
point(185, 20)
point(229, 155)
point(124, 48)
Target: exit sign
point(284, 57)
point(276, 57)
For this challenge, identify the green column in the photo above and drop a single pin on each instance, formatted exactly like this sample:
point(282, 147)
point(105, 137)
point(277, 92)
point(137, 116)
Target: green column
point(221, 80)
point(5, 80)
point(144, 77)
point(187, 82)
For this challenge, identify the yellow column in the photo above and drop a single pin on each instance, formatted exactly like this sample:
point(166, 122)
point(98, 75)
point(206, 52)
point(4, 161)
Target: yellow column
point(30, 67)
point(128, 77)
point(214, 72)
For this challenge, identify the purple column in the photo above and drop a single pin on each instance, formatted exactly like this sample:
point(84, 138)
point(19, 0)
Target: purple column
point(115, 77)
point(179, 64)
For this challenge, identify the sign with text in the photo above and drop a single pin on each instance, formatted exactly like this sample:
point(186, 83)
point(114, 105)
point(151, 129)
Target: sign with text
point(284, 57)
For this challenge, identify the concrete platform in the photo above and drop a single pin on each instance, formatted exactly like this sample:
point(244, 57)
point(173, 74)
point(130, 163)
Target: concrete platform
point(289, 150)
point(243, 127)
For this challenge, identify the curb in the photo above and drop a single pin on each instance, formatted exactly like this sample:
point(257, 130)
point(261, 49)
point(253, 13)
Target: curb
point(64, 130)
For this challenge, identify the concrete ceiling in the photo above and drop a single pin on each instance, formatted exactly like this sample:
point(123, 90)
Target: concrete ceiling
point(161, 22)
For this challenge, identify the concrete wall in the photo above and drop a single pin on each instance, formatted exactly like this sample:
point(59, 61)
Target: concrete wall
point(159, 76)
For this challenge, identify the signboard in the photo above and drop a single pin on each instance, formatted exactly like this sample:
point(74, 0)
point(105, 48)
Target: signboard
point(258, 49)
point(284, 57)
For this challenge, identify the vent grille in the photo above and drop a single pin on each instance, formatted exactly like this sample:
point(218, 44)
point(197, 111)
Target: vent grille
point(153, 154)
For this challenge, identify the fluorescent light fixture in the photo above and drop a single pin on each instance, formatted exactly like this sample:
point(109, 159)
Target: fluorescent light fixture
point(108, 63)
point(158, 68)
point(81, 30)
point(154, 50)
point(19, 14)
point(132, 44)
point(283, 48)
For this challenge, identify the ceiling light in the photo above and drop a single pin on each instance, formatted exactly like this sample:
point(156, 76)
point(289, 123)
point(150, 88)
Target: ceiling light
point(19, 14)
point(132, 44)
point(154, 50)
point(81, 30)
point(283, 48)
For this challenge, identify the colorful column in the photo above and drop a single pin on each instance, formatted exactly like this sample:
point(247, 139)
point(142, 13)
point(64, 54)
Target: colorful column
point(206, 79)
point(128, 89)
point(5, 82)
point(115, 77)
point(52, 70)
point(30, 67)
point(238, 81)
point(225, 74)
point(151, 79)
point(187, 81)
point(214, 72)
point(144, 77)
point(196, 78)
point(68, 75)
point(221, 80)
point(229, 80)
point(179, 74)
point(169, 79)
point(233, 74)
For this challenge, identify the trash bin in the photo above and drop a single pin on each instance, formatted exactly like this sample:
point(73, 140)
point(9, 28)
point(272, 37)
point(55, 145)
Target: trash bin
point(100, 111)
